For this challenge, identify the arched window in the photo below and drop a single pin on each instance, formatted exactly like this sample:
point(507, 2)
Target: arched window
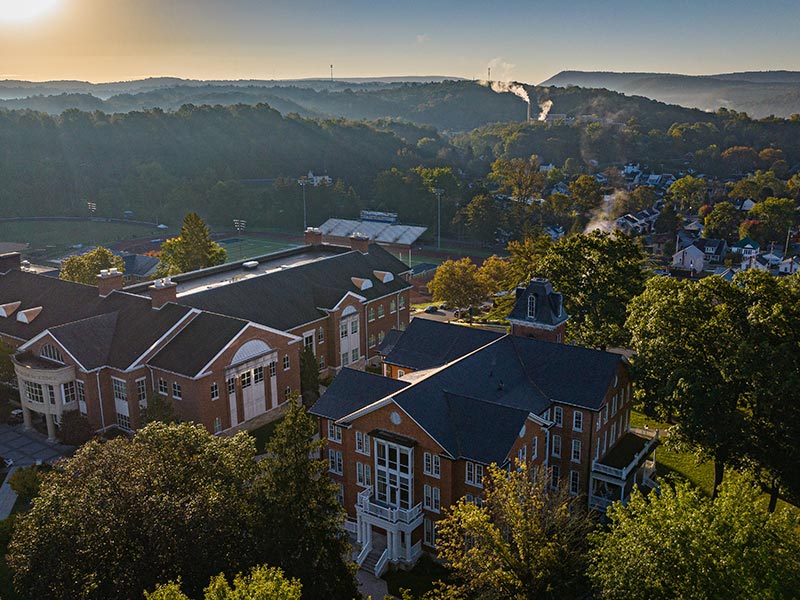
point(51, 352)
point(531, 307)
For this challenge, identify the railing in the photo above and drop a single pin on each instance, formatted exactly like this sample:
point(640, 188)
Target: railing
point(416, 552)
point(622, 474)
point(598, 502)
point(387, 513)
point(383, 561)
point(362, 556)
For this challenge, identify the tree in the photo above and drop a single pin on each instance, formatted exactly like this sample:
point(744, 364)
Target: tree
point(585, 192)
point(793, 187)
point(457, 284)
point(722, 222)
point(309, 376)
point(481, 218)
point(27, 482)
point(689, 192)
point(159, 409)
point(192, 250)
point(263, 583)
point(776, 216)
point(679, 545)
point(7, 372)
point(740, 158)
point(494, 274)
point(525, 257)
point(642, 197)
point(123, 515)
point(668, 219)
point(85, 268)
point(525, 541)
point(74, 428)
point(302, 528)
point(598, 274)
point(759, 186)
point(520, 178)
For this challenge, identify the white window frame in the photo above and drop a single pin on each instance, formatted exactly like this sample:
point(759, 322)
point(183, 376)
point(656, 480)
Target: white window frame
point(432, 498)
point(258, 374)
point(217, 425)
point(141, 391)
point(214, 391)
point(432, 465)
point(574, 483)
point(577, 420)
point(558, 416)
point(335, 464)
point(163, 386)
point(119, 389)
point(535, 447)
point(177, 390)
point(555, 476)
point(531, 306)
point(287, 362)
point(429, 538)
point(334, 433)
point(321, 335)
point(556, 446)
point(363, 474)
point(363, 443)
point(474, 474)
point(575, 455)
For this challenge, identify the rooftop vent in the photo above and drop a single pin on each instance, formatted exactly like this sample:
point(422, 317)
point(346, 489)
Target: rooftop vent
point(361, 284)
point(28, 315)
point(7, 309)
point(250, 264)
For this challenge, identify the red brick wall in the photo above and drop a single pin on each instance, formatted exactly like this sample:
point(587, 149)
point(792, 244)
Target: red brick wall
point(390, 320)
point(555, 335)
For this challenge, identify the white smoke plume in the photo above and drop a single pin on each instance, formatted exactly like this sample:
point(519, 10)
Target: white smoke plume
point(501, 81)
point(545, 106)
point(602, 217)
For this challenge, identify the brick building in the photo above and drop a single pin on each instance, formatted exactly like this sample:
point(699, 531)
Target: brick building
point(404, 448)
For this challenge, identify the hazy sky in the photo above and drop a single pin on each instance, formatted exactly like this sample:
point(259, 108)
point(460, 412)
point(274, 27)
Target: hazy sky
point(108, 40)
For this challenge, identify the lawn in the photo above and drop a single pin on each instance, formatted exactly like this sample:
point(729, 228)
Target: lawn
point(247, 247)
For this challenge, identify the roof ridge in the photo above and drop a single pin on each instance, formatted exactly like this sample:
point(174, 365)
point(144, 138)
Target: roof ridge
point(525, 370)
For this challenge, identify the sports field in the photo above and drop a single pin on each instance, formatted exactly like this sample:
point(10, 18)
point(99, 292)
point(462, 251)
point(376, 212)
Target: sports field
point(246, 247)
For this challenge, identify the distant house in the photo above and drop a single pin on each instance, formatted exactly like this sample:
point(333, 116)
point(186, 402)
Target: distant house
point(756, 262)
point(743, 204)
point(727, 273)
point(317, 180)
point(747, 247)
point(773, 257)
point(691, 258)
point(556, 232)
point(632, 225)
point(714, 250)
point(561, 188)
point(789, 266)
point(601, 178)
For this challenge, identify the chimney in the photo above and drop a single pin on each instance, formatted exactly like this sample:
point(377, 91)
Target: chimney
point(109, 280)
point(8, 261)
point(163, 291)
point(312, 236)
point(360, 242)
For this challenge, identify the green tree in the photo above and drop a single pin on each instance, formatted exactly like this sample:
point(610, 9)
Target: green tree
point(121, 516)
point(192, 250)
point(598, 274)
point(668, 220)
point(27, 482)
point(302, 528)
point(458, 284)
point(585, 192)
point(793, 187)
point(159, 409)
point(263, 583)
point(689, 192)
point(722, 222)
point(7, 372)
point(776, 216)
point(518, 177)
point(525, 257)
point(494, 274)
point(74, 428)
point(525, 541)
point(740, 159)
point(481, 218)
point(679, 545)
point(85, 268)
point(309, 376)
point(759, 186)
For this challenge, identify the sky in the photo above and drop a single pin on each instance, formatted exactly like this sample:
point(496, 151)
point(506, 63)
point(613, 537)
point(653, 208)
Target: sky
point(528, 41)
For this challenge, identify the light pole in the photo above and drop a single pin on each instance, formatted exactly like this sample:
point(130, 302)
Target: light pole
point(92, 206)
point(438, 192)
point(303, 181)
point(240, 225)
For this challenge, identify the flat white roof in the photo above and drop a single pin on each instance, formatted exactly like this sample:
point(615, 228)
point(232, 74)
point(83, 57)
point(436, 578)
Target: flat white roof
point(376, 232)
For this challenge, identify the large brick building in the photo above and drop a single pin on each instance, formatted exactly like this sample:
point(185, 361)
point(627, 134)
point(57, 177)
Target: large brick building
point(407, 445)
point(223, 344)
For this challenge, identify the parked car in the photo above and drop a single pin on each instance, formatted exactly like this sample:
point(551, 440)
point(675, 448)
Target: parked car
point(15, 417)
point(432, 309)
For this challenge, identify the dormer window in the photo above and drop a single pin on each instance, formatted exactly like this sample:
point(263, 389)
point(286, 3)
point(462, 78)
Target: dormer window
point(51, 352)
point(531, 307)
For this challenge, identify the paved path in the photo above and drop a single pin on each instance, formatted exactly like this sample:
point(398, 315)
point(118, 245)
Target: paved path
point(7, 496)
point(28, 447)
point(371, 586)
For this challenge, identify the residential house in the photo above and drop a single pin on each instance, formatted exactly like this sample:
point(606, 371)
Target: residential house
point(746, 247)
point(789, 266)
point(713, 249)
point(691, 258)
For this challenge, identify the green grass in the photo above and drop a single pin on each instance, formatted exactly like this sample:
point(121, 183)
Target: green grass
point(419, 580)
point(55, 237)
point(248, 247)
point(263, 434)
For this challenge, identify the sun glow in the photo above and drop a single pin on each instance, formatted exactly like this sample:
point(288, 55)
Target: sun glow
point(16, 11)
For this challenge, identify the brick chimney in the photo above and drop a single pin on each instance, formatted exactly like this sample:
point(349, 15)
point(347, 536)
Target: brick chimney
point(109, 280)
point(163, 291)
point(8, 261)
point(360, 242)
point(312, 236)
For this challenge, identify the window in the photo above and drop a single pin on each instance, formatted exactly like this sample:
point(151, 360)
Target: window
point(401, 302)
point(597, 449)
point(614, 405)
point(162, 386)
point(320, 336)
point(381, 311)
point(232, 385)
point(362, 442)
point(141, 392)
point(475, 474)
point(81, 396)
point(605, 440)
point(345, 358)
point(394, 471)
point(534, 448)
point(354, 355)
point(576, 451)
point(577, 421)
point(400, 373)
point(68, 390)
point(124, 422)
point(371, 314)
point(287, 392)
point(343, 329)
point(392, 306)
point(258, 374)
point(273, 369)
point(574, 482)
point(335, 461)
point(246, 379)
point(176, 390)
point(287, 362)
point(522, 454)
point(215, 391)
point(558, 416)
point(605, 414)
point(555, 474)
point(430, 533)
point(34, 392)
point(340, 493)
point(613, 433)
point(381, 335)
point(334, 433)
point(120, 389)
point(217, 425)
point(432, 497)
point(321, 363)
point(371, 340)
point(354, 327)
point(431, 465)
point(363, 475)
point(308, 341)
point(531, 307)
point(556, 446)
point(51, 352)
point(52, 393)
point(599, 419)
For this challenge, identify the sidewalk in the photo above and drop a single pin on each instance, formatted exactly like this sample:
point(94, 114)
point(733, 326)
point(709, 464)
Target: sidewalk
point(7, 496)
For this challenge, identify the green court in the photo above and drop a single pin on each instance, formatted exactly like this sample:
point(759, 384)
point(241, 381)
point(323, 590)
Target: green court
point(247, 247)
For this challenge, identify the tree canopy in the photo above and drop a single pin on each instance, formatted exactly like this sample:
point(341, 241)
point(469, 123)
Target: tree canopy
point(84, 268)
point(262, 583)
point(458, 284)
point(193, 249)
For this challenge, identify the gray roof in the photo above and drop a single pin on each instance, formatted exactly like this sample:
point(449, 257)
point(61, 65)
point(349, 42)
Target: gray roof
point(385, 233)
point(426, 343)
point(292, 297)
point(549, 304)
point(352, 390)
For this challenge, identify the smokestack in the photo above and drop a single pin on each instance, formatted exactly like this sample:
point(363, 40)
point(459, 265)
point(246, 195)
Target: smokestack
point(529, 112)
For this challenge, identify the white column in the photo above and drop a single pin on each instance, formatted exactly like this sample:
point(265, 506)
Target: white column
point(26, 417)
point(51, 427)
point(359, 529)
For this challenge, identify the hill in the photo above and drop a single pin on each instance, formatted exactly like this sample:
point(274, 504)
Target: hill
point(758, 93)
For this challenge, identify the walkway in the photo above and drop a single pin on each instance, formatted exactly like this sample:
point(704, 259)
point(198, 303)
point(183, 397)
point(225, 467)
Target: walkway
point(371, 586)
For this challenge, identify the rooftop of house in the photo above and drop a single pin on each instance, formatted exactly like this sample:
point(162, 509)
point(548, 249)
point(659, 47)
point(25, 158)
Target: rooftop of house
point(747, 242)
point(548, 304)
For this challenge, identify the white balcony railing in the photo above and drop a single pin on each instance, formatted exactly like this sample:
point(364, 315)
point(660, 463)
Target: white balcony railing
point(599, 503)
point(382, 563)
point(387, 513)
point(622, 474)
point(362, 556)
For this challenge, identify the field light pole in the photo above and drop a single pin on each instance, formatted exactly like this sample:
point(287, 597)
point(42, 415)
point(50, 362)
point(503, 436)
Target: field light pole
point(92, 206)
point(438, 192)
point(240, 225)
point(303, 182)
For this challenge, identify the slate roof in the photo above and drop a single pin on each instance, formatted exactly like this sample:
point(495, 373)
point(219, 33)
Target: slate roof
point(549, 304)
point(426, 343)
point(292, 297)
point(718, 246)
point(389, 340)
point(352, 390)
point(197, 343)
point(139, 265)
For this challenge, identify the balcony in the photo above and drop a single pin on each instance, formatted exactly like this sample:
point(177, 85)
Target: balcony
point(407, 519)
point(626, 456)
